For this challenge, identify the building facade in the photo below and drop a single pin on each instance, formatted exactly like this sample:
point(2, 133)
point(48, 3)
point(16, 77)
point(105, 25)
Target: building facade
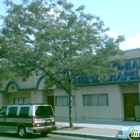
point(108, 98)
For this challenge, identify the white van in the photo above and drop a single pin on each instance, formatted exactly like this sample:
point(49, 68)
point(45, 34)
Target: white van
point(29, 118)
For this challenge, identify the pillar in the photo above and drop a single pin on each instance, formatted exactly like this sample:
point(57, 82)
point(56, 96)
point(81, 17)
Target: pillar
point(79, 104)
point(1, 103)
point(37, 96)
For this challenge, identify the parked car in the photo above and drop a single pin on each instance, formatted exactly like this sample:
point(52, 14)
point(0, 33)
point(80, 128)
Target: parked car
point(128, 133)
point(29, 118)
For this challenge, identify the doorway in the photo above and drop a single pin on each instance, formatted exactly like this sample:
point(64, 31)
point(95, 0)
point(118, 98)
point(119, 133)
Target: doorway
point(129, 107)
point(51, 101)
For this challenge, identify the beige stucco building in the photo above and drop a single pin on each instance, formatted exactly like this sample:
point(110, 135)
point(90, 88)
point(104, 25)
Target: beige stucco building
point(116, 98)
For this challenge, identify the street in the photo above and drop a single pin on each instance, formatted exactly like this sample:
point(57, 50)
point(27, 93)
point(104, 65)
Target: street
point(38, 137)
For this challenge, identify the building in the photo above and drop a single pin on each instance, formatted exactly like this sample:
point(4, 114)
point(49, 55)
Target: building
point(116, 99)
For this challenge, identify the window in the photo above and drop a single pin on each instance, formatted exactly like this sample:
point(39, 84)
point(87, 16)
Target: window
point(86, 100)
point(73, 100)
point(43, 110)
point(103, 99)
point(136, 98)
point(95, 100)
point(24, 112)
point(20, 100)
point(13, 111)
point(64, 100)
point(3, 110)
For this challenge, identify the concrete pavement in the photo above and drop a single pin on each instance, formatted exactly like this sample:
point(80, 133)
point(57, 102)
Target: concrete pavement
point(92, 129)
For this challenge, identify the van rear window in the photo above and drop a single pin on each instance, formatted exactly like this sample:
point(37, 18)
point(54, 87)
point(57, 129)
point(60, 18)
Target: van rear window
point(43, 110)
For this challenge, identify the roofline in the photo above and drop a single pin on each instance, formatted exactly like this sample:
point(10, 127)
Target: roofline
point(131, 49)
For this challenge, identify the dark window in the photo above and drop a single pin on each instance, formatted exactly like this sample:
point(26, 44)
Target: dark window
point(43, 110)
point(24, 112)
point(12, 111)
point(3, 110)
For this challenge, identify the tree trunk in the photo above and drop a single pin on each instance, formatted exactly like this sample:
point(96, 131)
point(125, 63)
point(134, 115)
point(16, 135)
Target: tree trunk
point(70, 111)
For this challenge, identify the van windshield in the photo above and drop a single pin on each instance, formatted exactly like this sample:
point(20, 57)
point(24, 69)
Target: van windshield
point(43, 110)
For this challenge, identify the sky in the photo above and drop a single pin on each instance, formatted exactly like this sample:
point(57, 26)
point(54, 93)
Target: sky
point(121, 16)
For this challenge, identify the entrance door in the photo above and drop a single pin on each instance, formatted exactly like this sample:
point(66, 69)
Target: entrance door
point(129, 109)
point(51, 101)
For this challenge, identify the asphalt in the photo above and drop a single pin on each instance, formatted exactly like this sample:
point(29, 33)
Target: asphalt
point(92, 129)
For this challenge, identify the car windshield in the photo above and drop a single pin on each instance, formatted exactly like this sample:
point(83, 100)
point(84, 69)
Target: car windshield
point(3, 110)
point(43, 110)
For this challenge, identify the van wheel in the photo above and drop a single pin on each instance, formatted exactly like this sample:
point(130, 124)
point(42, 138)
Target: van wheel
point(44, 134)
point(22, 132)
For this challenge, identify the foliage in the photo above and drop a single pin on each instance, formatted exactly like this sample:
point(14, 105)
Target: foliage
point(54, 38)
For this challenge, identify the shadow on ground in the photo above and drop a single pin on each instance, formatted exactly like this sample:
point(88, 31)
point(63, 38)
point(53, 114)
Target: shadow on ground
point(15, 136)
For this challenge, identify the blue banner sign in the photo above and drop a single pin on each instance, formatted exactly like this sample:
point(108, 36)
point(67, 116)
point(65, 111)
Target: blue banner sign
point(128, 71)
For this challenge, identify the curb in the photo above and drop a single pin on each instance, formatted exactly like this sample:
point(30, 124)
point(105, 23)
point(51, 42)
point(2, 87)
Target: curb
point(84, 135)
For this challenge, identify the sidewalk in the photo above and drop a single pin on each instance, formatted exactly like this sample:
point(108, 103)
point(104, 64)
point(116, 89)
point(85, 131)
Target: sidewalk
point(92, 129)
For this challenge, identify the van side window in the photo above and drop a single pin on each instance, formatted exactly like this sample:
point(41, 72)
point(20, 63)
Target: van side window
point(12, 111)
point(3, 110)
point(24, 111)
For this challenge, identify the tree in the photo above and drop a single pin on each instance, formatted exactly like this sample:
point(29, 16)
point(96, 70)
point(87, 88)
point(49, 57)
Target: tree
point(54, 38)
point(6, 68)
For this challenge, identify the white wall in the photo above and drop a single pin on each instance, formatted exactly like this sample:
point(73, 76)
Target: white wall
point(137, 108)
point(112, 111)
point(24, 94)
point(63, 112)
point(137, 112)
point(130, 89)
point(37, 96)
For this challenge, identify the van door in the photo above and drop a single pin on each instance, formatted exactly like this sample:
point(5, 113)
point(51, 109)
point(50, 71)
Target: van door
point(2, 118)
point(11, 120)
point(44, 116)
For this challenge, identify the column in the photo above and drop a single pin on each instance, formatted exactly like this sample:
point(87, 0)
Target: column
point(79, 105)
point(139, 91)
point(120, 103)
point(37, 96)
point(138, 112)
point(1, 103)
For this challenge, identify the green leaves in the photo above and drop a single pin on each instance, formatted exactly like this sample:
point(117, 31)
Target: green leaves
point(52, 38)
